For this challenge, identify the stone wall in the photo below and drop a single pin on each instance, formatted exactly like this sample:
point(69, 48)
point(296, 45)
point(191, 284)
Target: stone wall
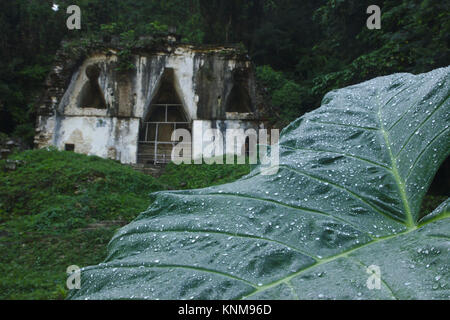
point(213, 83)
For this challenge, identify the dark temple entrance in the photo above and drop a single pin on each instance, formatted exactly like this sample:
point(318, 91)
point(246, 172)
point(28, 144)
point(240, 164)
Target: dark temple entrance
point(166, 115)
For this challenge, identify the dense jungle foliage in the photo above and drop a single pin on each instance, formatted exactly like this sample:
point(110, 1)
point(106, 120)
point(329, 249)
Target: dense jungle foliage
point(303, 49)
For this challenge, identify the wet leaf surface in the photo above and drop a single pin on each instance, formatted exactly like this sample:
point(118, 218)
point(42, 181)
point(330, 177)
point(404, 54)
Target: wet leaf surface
point(347, 196)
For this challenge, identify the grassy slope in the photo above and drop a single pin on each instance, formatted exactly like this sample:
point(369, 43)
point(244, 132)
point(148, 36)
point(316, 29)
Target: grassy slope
point(60, 208)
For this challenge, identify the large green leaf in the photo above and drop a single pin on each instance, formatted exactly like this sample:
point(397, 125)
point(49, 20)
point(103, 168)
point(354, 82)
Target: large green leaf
point(347, 196)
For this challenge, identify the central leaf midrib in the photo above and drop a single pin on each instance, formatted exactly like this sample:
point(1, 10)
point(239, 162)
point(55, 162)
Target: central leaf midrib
point(409, 218)
point(401, 186)
point(341, 255)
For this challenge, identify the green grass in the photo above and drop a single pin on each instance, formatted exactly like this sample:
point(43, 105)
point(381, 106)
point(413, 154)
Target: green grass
point(188, 176)
point(61, 208)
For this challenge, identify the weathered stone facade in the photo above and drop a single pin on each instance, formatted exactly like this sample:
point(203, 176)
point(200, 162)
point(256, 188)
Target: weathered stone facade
point(90, 107)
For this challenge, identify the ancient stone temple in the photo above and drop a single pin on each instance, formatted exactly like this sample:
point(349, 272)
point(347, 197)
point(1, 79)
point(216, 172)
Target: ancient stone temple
point(93, 107)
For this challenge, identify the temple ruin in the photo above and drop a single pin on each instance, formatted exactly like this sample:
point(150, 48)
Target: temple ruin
point(92, 107)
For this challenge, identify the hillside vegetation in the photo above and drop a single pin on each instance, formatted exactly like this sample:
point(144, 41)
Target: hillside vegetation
point(61, 208)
